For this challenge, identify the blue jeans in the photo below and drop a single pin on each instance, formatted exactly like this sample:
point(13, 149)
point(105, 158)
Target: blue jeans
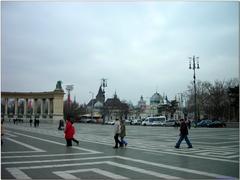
point(123, 141)
point(186, 139)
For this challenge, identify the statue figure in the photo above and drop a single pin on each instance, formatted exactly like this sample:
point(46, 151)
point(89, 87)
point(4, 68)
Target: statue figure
point(59, 85)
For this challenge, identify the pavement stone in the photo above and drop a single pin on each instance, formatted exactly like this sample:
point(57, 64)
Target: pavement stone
point(41, 153)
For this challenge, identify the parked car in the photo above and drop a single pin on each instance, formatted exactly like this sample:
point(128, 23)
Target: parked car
point(127, 121)
point(170, 122)
point(217, 124)
point(110, 122)
point(204, 123)
point(136, 122)
point(85, 120)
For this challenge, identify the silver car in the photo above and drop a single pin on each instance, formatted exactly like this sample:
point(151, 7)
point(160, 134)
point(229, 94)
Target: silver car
point(170, 122)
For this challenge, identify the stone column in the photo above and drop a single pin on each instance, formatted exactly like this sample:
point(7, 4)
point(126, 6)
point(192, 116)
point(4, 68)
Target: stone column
point(42, 108)
point(49, 108)
point(6, 108)
point(16, 108)
point(34, 107)
point(25, 108)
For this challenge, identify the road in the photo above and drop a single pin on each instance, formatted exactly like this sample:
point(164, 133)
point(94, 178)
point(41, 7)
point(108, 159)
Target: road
point(41, 153)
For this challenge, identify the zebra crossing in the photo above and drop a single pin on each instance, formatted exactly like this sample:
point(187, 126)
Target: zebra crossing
point(222, 153)
point(151, 156)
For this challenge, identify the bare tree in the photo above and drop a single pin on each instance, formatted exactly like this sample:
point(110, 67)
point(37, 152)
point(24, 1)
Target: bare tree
point(213, 100)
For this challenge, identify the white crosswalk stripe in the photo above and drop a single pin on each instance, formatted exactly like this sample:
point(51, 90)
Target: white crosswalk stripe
point(75, 167)
point(221, 152)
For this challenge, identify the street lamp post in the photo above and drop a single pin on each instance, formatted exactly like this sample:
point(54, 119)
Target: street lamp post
point(103, 111)
point(92, 105)
point(194, 64)
point(69, 88)
point(104, 84)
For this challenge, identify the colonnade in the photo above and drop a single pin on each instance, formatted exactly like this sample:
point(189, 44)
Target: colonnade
point(43, 104)
point(53, 100)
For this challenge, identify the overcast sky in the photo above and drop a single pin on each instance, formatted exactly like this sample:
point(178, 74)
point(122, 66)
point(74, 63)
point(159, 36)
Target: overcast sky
point(139, 47)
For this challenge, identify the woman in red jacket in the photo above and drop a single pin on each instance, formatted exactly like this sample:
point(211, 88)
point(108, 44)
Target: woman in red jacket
point(69, 132)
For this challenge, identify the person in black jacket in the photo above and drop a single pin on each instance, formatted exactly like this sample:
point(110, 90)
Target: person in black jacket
point(183, 134)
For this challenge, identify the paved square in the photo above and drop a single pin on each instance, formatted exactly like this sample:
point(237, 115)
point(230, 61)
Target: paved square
point(41, 153)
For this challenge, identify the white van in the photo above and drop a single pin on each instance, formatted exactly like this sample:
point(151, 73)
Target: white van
point(155, 121)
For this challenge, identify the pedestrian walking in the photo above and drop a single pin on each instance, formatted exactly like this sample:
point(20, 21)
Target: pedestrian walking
point(30, 121)
point(117, 130)
point(2, 131)
point(61, 125)
point(73, 139)
point(69, 131)
point(183, 134)
point(123, 133)
point(35, 122)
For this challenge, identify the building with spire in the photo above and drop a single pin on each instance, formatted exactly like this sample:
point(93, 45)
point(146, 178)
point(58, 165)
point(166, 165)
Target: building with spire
point(141, 104)
point(110, 109)
point(100, 98)
point(100, 95)
point(115, 109)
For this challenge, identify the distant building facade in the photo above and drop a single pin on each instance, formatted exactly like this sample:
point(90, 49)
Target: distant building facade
point(110, 109)
point(158, 106)
point(115, 109)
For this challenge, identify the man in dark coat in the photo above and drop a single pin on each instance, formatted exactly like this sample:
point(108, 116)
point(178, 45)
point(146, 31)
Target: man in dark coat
point(183, 134)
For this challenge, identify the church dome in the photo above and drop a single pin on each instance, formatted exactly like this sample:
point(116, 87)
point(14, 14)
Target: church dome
point(156, 98)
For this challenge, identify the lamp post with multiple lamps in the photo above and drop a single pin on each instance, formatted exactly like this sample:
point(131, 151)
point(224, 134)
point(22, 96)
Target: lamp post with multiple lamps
point(69, 88)
point(194, 64)
point(103, 110)
point(104, 84)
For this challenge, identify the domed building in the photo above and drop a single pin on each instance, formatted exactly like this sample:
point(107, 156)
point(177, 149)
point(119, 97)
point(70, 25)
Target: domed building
point(156, 99)
point(159, 106)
